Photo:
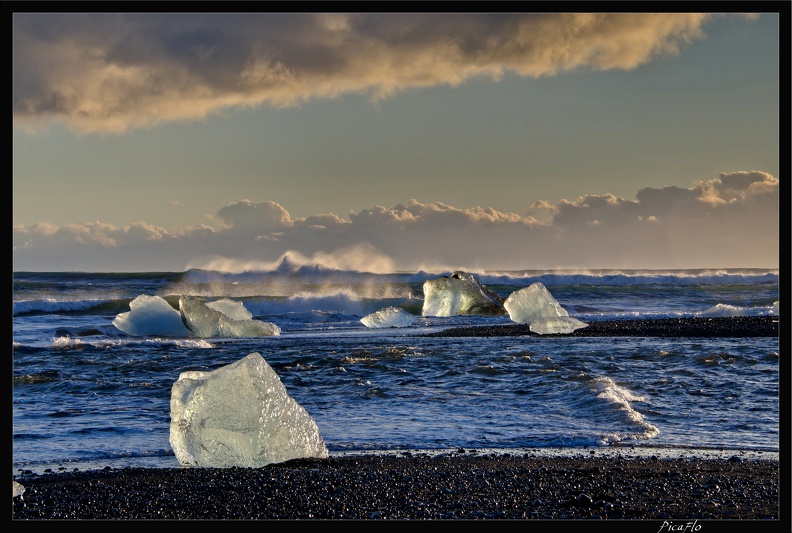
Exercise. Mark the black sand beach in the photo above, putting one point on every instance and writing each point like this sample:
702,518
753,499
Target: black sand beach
458,486
741,326
671,492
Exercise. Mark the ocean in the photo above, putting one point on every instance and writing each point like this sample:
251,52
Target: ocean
88,395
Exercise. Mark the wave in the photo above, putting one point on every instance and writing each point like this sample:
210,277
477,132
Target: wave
302,289
94,306
634,277
322,275
621,401
51,305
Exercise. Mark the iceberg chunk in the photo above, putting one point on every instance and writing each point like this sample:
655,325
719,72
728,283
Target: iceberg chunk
390,317
208,323
151,316
535,305
461,294
239,415
18,489
532,302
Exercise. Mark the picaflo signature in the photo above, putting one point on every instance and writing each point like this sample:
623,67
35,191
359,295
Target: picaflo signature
679,527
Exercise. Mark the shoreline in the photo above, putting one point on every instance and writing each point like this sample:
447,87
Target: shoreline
461,485
631,450
733,326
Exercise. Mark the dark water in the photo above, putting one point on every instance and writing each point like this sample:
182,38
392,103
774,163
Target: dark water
86,393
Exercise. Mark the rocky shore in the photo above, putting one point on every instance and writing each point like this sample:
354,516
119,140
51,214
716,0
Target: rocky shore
415,486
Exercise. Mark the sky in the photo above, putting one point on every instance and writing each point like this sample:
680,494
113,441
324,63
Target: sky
391,142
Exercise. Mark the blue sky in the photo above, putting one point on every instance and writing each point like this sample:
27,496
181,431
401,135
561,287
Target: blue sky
395,141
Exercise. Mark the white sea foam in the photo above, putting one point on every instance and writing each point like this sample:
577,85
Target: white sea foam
623,400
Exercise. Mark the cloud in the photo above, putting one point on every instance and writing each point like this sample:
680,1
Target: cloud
109,72
728,221
263,217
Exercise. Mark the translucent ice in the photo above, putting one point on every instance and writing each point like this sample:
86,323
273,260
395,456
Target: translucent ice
390,317
556,324
231,309
239,415
18,489
207,322
150,316
461,294
532,302
535,305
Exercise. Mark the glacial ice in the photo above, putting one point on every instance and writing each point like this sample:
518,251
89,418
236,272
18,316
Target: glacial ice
151,316
532,302
461,294
239,415
535,305
18,489
390,317
231,309
208,322
555,324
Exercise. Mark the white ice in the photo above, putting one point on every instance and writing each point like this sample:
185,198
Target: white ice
208,323
535,305
239,415
390,317
151,316
461,294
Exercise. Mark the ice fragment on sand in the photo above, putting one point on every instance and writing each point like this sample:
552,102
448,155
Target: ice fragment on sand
239,415
532,302
208,323
556,324
18,489
535,305
390,317
461,294
150,316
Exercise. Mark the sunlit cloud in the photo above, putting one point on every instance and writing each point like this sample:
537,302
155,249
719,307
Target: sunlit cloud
731,220
112,72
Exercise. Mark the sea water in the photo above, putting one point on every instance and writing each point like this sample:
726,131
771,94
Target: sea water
87,395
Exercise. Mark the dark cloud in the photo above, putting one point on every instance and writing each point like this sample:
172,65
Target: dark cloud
111,72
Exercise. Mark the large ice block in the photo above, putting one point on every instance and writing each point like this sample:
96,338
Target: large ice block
460,294
207,322
535,305
151,316
239,415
